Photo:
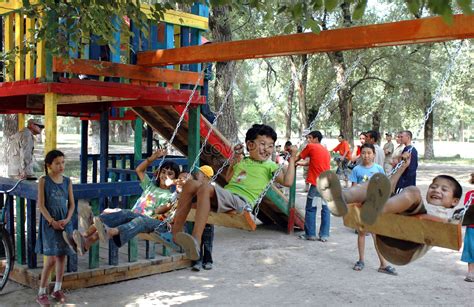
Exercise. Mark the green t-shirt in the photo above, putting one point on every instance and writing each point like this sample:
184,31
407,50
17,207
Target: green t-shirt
152,197
250,178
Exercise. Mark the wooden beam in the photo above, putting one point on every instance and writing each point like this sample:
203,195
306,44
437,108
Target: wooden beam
109,69
50,116
417,31
76,99
422,229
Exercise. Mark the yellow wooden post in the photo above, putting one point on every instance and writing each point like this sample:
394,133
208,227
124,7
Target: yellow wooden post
29,61
177,43
21,121
19,35
50,119
9,45
40,59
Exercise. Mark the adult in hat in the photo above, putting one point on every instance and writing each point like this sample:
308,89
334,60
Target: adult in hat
20,151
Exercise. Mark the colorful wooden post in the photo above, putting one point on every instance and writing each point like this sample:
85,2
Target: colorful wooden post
31,230
84,149
50,116
133,244
20,230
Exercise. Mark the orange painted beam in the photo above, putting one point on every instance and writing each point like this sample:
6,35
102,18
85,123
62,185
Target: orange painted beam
423,30
109,69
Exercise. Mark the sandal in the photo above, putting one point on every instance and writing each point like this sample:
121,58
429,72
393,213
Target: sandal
305,237
469,277
388,270
359,266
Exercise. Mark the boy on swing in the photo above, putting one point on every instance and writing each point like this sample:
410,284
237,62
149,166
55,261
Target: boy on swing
246,177
442,196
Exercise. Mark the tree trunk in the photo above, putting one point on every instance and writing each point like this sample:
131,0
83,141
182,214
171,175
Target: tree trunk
219,24
301,88
428,133
344,93
289,111
10,127
124,131
94,136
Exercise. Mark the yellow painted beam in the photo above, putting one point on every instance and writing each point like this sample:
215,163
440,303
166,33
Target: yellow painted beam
21,121
9,45
180,18
19,36
50,121
29,60
40,57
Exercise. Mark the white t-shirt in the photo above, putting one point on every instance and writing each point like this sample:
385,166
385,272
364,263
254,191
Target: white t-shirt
439,211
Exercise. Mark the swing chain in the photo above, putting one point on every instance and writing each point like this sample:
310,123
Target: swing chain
434,101
214,122
181,118
309,129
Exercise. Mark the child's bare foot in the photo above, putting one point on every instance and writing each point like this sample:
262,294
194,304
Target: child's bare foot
330,189
378,191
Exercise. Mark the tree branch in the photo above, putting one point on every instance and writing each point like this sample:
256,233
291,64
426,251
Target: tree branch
370,78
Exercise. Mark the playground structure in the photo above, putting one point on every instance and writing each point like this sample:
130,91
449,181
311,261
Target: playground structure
50,86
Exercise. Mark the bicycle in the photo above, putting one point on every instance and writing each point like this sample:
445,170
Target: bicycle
7,253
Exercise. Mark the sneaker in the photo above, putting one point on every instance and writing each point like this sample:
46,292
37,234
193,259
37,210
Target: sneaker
331,191
469,277
189,244
69,241
305,237
101,231
59,296
79,241
323,239
378,191
85,215
196,267
207,266
43,300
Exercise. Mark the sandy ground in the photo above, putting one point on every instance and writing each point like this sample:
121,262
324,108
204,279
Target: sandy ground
269,267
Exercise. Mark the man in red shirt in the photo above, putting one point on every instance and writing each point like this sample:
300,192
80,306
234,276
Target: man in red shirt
344,150
319,161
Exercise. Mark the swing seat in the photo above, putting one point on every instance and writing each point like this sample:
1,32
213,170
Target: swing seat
163,238
421,229
230,219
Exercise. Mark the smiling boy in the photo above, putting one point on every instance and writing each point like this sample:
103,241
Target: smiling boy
246,177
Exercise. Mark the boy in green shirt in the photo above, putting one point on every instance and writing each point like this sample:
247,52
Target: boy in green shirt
247,179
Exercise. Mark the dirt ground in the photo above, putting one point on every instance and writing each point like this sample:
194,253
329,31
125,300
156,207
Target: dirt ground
270,267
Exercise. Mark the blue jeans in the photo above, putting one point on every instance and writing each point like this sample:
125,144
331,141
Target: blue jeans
310,217
129,224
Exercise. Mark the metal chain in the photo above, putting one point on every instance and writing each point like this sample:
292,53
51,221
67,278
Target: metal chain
309,129
434,101
181,118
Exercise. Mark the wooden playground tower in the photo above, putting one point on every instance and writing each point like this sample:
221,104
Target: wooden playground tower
49,86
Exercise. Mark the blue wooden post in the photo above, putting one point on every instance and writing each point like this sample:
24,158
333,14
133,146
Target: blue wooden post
84,145
10,226
31,233
149,140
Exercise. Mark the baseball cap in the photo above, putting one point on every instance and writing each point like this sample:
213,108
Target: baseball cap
207,170
35,122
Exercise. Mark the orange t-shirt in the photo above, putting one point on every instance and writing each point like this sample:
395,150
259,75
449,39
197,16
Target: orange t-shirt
319,161
343,147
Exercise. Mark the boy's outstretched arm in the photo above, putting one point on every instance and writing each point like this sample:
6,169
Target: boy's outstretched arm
141,168
238,155
288,177
406,156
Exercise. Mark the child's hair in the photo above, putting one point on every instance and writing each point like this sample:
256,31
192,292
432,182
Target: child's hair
373,135
288,144
50,156
258,129
316,135
367,145
167,165
457,191
341,136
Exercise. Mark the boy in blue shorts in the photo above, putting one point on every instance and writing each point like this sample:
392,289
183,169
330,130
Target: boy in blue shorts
246,177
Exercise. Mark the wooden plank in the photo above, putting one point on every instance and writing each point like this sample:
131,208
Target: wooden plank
9,45
50,115
76,99
19,56
423,30
109,69
29,61
241,221
423,229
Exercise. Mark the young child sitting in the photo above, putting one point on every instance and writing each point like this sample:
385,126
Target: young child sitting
442,196
360,174
247,179
121,225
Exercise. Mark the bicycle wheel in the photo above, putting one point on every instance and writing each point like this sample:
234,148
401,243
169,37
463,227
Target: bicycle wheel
6,257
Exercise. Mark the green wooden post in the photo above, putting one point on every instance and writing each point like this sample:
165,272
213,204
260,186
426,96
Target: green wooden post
133,243
194,138
94,249
20,231
292,196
